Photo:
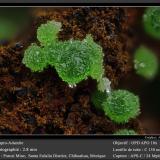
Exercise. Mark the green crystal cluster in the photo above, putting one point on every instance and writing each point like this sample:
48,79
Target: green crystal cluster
73,60
119,105
151,21
145,62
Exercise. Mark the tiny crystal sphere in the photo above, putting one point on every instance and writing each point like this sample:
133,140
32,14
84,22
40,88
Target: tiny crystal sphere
151,20
121,105
145,63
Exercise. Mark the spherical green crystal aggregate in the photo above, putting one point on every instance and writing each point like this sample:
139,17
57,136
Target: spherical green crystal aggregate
74,60
74,64
151,21
121,105
47,33
35,58
145,62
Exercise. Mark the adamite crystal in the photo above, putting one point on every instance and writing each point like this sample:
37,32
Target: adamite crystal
96,55
151,20
145,62
47,33
121,105
98,98
35,58
73,65
74,60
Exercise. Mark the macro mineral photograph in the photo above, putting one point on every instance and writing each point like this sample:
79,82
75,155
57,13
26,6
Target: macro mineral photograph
80,70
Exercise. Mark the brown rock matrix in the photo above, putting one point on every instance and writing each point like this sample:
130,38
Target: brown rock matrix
41,103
